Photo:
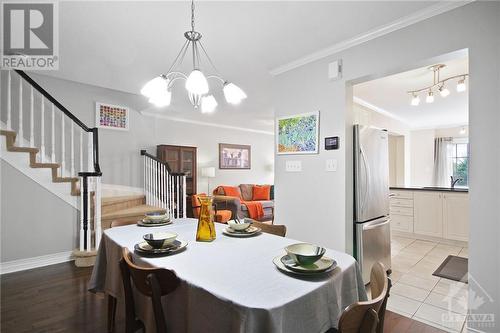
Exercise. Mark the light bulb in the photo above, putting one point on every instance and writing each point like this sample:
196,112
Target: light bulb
197,83
444,91
415,100
155,87
461,85
233,93
208,104
162,99
430,97
462,130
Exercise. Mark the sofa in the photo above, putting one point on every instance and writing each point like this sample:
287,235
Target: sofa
245,193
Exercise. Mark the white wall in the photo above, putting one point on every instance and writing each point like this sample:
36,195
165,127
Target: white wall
317,206
119,150
422,157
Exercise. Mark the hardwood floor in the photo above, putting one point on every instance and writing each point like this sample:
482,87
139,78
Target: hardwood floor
55,299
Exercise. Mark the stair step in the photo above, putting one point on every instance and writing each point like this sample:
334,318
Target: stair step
130,214
23,149
8,133
65,179
116,203
45,165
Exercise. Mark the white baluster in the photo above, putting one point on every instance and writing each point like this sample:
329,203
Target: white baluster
172,195
63,147
184,196
72,150
32,120
20,131
42,129
157,196
148,183
162,173
89,200
144,176
178,197
53,135
82,234
90,163
167,197
97,219
9,101
81,150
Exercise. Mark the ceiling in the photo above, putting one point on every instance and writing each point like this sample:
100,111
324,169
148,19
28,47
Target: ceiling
389,95
122,44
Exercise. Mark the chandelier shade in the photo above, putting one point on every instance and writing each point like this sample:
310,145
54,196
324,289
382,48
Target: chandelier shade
159,89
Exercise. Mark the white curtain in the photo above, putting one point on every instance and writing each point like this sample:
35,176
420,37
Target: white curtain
442,167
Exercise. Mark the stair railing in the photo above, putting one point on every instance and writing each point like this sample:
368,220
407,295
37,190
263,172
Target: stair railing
62,139
164,188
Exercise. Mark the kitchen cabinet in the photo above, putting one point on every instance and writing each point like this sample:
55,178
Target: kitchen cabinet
456,216
401,210
428,213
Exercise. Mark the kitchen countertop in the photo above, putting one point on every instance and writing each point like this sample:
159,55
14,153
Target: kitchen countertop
431,188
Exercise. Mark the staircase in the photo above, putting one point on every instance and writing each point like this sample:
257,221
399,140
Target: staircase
126,209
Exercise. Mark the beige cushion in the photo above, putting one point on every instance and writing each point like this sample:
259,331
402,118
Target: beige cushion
246,191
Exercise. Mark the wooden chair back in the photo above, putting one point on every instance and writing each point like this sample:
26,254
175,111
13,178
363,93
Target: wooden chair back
363,317
275,229
151,282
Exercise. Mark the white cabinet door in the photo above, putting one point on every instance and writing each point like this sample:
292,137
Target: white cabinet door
428,213
456,216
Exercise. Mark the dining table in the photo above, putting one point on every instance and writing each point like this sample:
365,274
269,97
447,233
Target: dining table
231,284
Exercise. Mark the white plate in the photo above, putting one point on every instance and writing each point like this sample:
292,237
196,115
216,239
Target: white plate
177,245
322,265
250,231
148,221
279,264
156,224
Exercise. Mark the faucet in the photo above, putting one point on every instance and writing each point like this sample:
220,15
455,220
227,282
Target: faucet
453,181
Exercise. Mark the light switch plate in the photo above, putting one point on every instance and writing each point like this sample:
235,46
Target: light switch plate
293,166
331,165
335,70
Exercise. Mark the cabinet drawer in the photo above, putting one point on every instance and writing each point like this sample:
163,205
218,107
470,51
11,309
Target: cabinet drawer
401,194
402,222
400,202
402,210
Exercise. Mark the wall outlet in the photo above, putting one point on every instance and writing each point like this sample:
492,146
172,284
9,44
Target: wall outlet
331,165
293,166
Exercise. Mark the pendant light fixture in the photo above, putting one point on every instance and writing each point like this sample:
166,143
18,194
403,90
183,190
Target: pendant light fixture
159,89
439,84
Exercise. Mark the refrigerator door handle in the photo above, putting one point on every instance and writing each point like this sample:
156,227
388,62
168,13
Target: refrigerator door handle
376,224
367,178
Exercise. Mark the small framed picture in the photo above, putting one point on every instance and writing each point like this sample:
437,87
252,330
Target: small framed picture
112,116
234,156
298,134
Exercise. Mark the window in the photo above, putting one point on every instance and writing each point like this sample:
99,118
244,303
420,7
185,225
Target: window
458,158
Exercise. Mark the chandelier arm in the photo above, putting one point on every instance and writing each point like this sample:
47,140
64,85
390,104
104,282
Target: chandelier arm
171,83
216,77
437,83
208,57
183,52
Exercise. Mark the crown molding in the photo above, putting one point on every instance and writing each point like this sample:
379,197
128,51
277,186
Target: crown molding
377,109
426,13
203,123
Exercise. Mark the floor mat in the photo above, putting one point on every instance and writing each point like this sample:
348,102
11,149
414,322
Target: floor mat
453,268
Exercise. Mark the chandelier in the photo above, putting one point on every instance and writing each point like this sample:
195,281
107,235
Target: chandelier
438,84
159,89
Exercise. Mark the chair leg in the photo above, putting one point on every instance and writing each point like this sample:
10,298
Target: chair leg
111,313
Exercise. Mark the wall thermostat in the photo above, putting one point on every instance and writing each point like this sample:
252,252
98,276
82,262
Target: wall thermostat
332,143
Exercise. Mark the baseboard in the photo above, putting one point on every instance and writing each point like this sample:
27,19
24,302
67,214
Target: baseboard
35,262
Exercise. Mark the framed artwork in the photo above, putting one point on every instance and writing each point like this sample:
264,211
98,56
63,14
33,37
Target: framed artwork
112,116
298,134
234,156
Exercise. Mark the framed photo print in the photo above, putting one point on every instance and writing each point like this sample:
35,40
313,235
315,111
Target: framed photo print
298,134
234,156
112,116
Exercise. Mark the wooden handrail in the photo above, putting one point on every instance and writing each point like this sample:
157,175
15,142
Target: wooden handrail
154,158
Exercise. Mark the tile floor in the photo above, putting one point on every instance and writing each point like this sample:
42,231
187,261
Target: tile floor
419,295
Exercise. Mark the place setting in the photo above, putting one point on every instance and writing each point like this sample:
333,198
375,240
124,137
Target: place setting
155,219
238,228
305,259
160,243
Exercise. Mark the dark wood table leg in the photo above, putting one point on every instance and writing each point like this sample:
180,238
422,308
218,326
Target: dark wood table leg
111,313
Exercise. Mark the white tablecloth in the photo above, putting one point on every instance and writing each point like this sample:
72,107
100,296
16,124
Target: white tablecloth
231,284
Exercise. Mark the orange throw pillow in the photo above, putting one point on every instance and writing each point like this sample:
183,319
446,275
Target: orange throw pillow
231,191
261,192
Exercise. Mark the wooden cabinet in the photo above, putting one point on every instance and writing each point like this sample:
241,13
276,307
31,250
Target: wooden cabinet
456,216
428,213
401,210
181,159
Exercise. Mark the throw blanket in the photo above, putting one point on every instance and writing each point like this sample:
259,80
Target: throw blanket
255,210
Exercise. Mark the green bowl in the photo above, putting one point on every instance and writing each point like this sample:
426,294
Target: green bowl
305,253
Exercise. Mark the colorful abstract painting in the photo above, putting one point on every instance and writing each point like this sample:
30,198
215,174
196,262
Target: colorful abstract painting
298,134
112,116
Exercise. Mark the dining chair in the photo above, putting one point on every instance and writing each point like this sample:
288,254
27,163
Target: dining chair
365,317
151,282
220,215
275,229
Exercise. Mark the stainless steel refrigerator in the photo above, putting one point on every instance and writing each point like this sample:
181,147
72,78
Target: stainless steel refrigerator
372,233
